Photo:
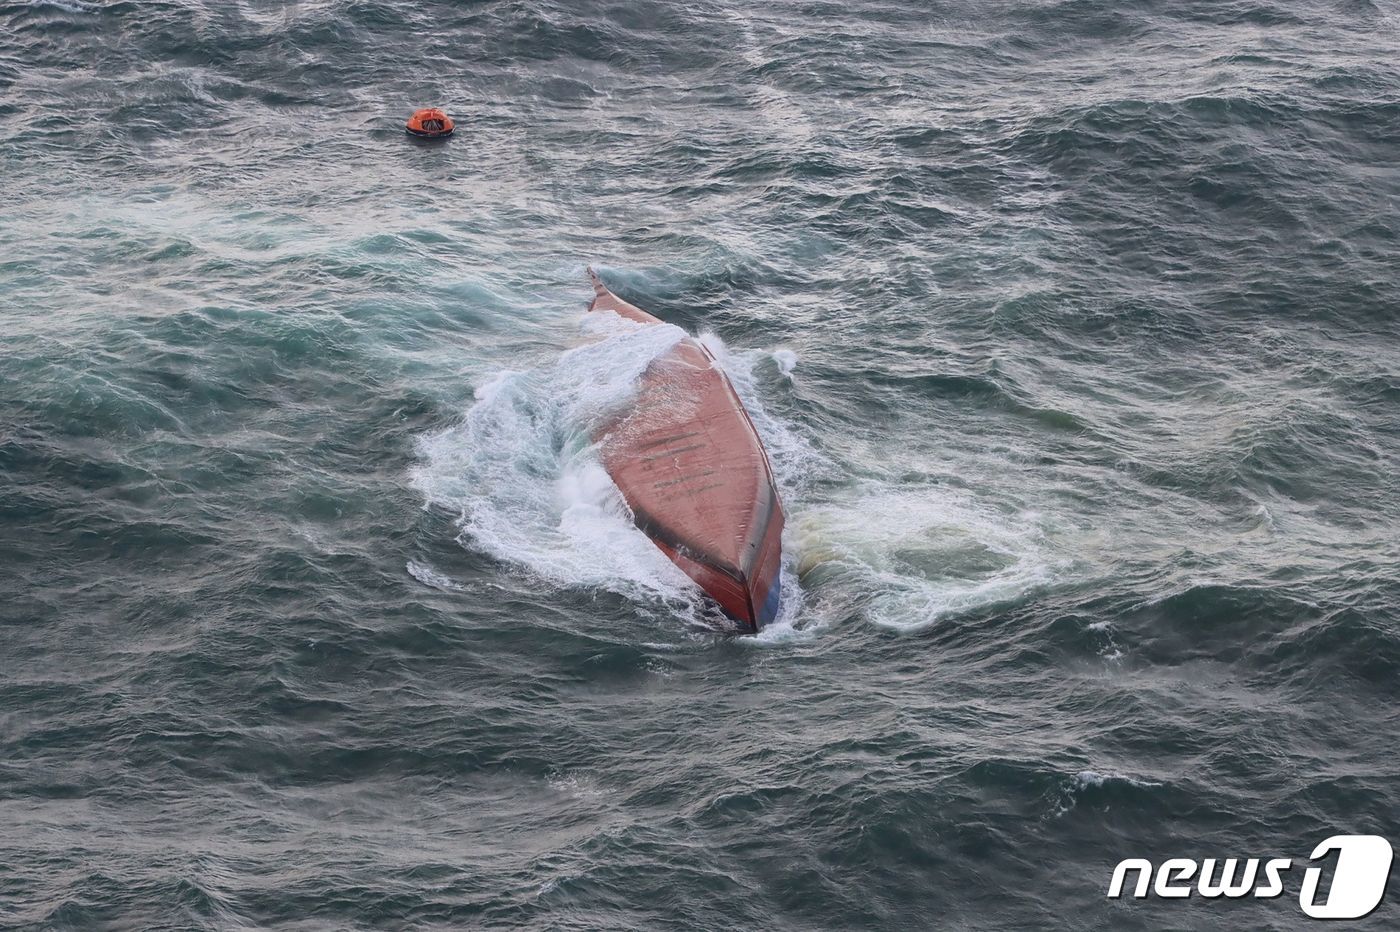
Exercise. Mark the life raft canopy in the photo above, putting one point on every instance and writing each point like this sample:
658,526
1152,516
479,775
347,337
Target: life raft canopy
430,123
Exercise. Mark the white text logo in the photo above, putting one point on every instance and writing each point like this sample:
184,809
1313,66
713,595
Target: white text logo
1358,880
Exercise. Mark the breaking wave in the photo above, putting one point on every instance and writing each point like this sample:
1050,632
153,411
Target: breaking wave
522,475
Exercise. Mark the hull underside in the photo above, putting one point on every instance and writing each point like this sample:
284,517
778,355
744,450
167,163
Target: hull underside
693,471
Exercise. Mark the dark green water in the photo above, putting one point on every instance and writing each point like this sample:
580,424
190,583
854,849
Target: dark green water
1072,330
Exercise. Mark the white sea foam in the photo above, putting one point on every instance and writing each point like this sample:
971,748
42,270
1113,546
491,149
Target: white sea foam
1068,794
786,360
522,474
428,576
68,6
905,557
1092,778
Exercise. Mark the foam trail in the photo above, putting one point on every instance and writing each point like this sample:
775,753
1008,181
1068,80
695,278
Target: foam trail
906,557
521,472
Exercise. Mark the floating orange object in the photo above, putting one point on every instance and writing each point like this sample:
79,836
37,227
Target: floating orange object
430,123
695,475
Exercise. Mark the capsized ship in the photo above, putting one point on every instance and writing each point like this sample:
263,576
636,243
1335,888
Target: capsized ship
694,472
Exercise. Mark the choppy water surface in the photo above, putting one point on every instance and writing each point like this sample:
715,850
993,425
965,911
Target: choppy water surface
1070,326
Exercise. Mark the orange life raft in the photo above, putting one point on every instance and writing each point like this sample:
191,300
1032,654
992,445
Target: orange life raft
430,123
694,472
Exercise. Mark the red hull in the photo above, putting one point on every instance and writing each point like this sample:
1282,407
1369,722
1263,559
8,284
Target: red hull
693,471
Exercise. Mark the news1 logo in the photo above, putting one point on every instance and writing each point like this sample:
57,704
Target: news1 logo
1358,881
